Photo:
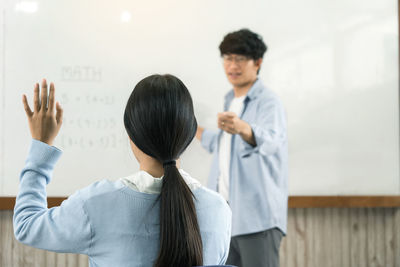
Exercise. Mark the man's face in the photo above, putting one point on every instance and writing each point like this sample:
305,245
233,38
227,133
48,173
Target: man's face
240,70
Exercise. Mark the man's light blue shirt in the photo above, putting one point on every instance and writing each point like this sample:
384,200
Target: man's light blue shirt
258,194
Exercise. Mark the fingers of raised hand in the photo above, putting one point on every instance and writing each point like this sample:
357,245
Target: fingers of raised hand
43,106
36,101
28,110
59,114
51,98
46,101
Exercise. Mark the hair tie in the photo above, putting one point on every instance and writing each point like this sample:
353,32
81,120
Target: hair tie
169,163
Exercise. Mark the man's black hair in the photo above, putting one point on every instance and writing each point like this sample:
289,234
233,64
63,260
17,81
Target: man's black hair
243,42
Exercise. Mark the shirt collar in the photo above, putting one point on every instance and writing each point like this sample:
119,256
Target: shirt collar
254,91
143,182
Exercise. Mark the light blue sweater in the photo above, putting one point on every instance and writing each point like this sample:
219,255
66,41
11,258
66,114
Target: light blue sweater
108,221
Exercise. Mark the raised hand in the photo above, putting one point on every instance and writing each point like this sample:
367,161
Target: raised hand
46,119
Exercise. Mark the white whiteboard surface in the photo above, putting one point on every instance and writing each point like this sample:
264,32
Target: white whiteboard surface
334,64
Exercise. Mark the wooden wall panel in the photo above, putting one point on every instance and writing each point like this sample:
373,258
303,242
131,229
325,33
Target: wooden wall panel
316,237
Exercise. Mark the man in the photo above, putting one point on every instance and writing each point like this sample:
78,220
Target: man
249,167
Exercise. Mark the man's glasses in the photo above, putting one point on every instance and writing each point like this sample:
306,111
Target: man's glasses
229,59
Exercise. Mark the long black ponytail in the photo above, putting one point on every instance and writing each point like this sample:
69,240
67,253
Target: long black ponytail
159,119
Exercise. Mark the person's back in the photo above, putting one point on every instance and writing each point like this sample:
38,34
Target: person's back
125,225
139,220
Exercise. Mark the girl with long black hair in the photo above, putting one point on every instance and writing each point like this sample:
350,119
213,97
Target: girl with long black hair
158,217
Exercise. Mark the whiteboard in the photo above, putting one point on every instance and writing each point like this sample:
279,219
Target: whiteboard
334,64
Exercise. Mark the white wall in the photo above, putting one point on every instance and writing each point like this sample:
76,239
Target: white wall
333,63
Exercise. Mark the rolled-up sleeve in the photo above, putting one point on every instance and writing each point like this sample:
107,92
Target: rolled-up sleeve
209,140
269,129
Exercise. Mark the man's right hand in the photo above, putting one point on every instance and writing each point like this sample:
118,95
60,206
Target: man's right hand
199,132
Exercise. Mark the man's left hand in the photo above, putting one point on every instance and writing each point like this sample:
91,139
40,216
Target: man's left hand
231,123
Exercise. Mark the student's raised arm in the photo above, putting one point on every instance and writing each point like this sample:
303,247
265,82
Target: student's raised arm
62,229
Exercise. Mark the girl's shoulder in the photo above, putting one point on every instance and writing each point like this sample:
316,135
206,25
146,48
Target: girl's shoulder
99,188
209,197
204,197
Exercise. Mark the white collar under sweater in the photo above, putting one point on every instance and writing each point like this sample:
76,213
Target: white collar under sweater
143,182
